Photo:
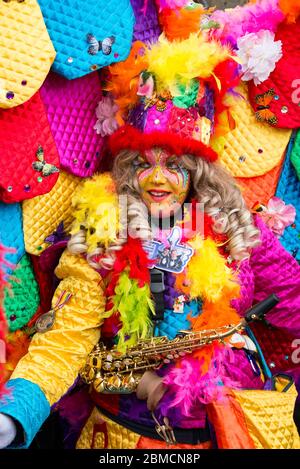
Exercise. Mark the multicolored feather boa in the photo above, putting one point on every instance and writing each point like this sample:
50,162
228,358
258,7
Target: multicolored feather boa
208,277
200,377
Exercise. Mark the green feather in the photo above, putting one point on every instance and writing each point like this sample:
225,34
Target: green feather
134,305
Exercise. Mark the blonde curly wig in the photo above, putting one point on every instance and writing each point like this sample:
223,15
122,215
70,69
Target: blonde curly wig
211,185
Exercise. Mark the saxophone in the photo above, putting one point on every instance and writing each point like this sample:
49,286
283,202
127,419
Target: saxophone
110,371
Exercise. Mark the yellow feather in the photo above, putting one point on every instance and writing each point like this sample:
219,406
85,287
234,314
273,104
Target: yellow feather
96,208
208,273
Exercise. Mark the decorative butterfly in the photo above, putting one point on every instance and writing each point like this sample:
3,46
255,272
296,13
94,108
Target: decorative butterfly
159,101
57,235
41,165
97,46
263,113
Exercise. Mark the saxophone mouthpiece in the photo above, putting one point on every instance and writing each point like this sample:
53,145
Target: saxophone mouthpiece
258,311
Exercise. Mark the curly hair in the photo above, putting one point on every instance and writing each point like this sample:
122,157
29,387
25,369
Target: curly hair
211,185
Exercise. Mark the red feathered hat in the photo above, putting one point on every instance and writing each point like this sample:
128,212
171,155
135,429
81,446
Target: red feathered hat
168,109
133,139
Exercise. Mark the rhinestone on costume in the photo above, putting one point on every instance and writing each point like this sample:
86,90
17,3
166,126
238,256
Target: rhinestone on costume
276,97
116,55
27,188
284,109
260,150
24,82
242,159
9,189
157,121
39,179
272,365
93,67
10,95
70,60
87,164
286,357
13,317
75,161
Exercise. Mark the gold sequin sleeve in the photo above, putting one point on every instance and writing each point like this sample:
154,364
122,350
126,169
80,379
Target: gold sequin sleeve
55,357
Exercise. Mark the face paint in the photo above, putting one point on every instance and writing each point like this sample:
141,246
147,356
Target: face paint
163,182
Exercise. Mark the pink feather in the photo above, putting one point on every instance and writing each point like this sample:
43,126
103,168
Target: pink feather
191,388
172,4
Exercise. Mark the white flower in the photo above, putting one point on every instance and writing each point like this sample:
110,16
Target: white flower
258,53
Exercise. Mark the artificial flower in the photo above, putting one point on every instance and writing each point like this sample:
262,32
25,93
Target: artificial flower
277,215
258,53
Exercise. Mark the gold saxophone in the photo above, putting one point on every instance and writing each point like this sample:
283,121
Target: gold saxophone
110,371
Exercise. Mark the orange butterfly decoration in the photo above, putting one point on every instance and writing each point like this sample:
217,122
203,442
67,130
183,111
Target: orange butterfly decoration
263,113
159,101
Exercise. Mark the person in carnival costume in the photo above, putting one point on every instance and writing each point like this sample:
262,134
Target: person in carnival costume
169,101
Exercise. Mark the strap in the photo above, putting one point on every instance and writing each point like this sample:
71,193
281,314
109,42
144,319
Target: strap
157,287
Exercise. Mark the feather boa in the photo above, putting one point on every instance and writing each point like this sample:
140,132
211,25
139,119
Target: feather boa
132,303
250,18
207,274
96,209
189,389
129,295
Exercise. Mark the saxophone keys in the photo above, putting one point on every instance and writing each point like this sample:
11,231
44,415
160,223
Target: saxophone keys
91,374
114,383
99,385
108,362
95,361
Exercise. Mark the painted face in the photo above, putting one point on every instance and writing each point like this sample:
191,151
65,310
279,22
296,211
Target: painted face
164,183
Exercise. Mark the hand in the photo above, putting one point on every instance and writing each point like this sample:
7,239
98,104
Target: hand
151,387
8,430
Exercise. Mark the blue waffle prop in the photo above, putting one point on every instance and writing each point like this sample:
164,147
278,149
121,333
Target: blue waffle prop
88,34
11,233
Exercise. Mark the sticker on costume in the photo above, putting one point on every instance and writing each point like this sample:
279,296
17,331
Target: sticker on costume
173,257
179,303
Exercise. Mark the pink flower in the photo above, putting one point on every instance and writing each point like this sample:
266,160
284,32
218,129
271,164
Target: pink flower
106,113
277,215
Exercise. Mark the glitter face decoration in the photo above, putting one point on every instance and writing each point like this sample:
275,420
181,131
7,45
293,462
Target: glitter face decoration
164,183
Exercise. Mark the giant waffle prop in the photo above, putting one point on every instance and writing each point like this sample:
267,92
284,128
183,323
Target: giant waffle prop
26,51
88,34
71,110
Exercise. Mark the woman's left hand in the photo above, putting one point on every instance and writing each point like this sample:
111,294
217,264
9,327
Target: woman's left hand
151,387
